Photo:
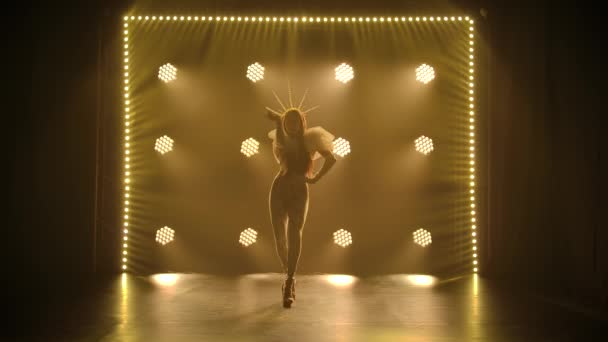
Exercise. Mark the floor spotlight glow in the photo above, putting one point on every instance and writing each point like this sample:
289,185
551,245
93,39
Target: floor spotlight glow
165,235
250,147
344,73
341,280
165,279
424,145
255,72
343,238
167,73
425,73
341,147
422,237
420,280
248,237
164,144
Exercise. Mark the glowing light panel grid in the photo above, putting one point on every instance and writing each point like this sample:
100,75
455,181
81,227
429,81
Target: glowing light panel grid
170,74
248,237
422,237
250,147
341,147
343,238
424,145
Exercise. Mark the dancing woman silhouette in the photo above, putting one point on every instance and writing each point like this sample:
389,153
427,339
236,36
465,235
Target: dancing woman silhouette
295,147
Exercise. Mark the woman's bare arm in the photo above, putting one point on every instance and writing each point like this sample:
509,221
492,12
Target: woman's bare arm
329,162
277,120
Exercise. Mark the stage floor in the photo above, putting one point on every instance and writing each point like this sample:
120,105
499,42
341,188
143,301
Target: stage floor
195,307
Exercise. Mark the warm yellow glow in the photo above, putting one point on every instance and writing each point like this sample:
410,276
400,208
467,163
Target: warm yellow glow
164,235
341,147
344,73
420,280
248,237
166,279
250,147
422,237
425,73
341,280
163,144
167,73
343,238
424,145
255,72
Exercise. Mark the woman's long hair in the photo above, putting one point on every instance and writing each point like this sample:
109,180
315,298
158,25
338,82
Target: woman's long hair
301,159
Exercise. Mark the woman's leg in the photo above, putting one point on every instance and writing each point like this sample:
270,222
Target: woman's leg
278,219
297,210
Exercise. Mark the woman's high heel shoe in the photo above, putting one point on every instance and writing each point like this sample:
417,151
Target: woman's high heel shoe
288,292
